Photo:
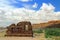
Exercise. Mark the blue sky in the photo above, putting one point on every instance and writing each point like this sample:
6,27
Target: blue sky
35,11
19,4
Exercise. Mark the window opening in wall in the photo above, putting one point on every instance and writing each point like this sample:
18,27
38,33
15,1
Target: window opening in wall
26,27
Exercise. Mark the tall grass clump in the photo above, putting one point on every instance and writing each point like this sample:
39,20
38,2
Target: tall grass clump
52,32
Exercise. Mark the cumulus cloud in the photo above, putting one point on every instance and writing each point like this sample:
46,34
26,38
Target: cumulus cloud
47,12
4,5
30,6
35,5
47,7
9,15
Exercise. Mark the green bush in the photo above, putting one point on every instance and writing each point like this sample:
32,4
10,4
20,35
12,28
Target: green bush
38,31
52,32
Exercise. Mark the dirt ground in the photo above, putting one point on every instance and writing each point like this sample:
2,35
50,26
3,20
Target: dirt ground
21,38
40,37
35,37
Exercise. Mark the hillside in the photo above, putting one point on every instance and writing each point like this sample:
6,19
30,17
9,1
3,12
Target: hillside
44,25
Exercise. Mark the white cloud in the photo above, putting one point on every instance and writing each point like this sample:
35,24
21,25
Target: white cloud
47,12
47,8
35,5
29,6
9,14
4,5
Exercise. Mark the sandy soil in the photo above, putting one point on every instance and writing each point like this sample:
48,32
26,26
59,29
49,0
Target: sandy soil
40,37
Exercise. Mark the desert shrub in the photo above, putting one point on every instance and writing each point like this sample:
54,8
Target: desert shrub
52,32
38,31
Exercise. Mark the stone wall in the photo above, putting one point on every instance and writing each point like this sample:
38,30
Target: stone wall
20,29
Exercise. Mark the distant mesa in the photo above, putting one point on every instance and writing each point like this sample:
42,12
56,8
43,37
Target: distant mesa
49,24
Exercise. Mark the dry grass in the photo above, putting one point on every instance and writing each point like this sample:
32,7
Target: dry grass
2,33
